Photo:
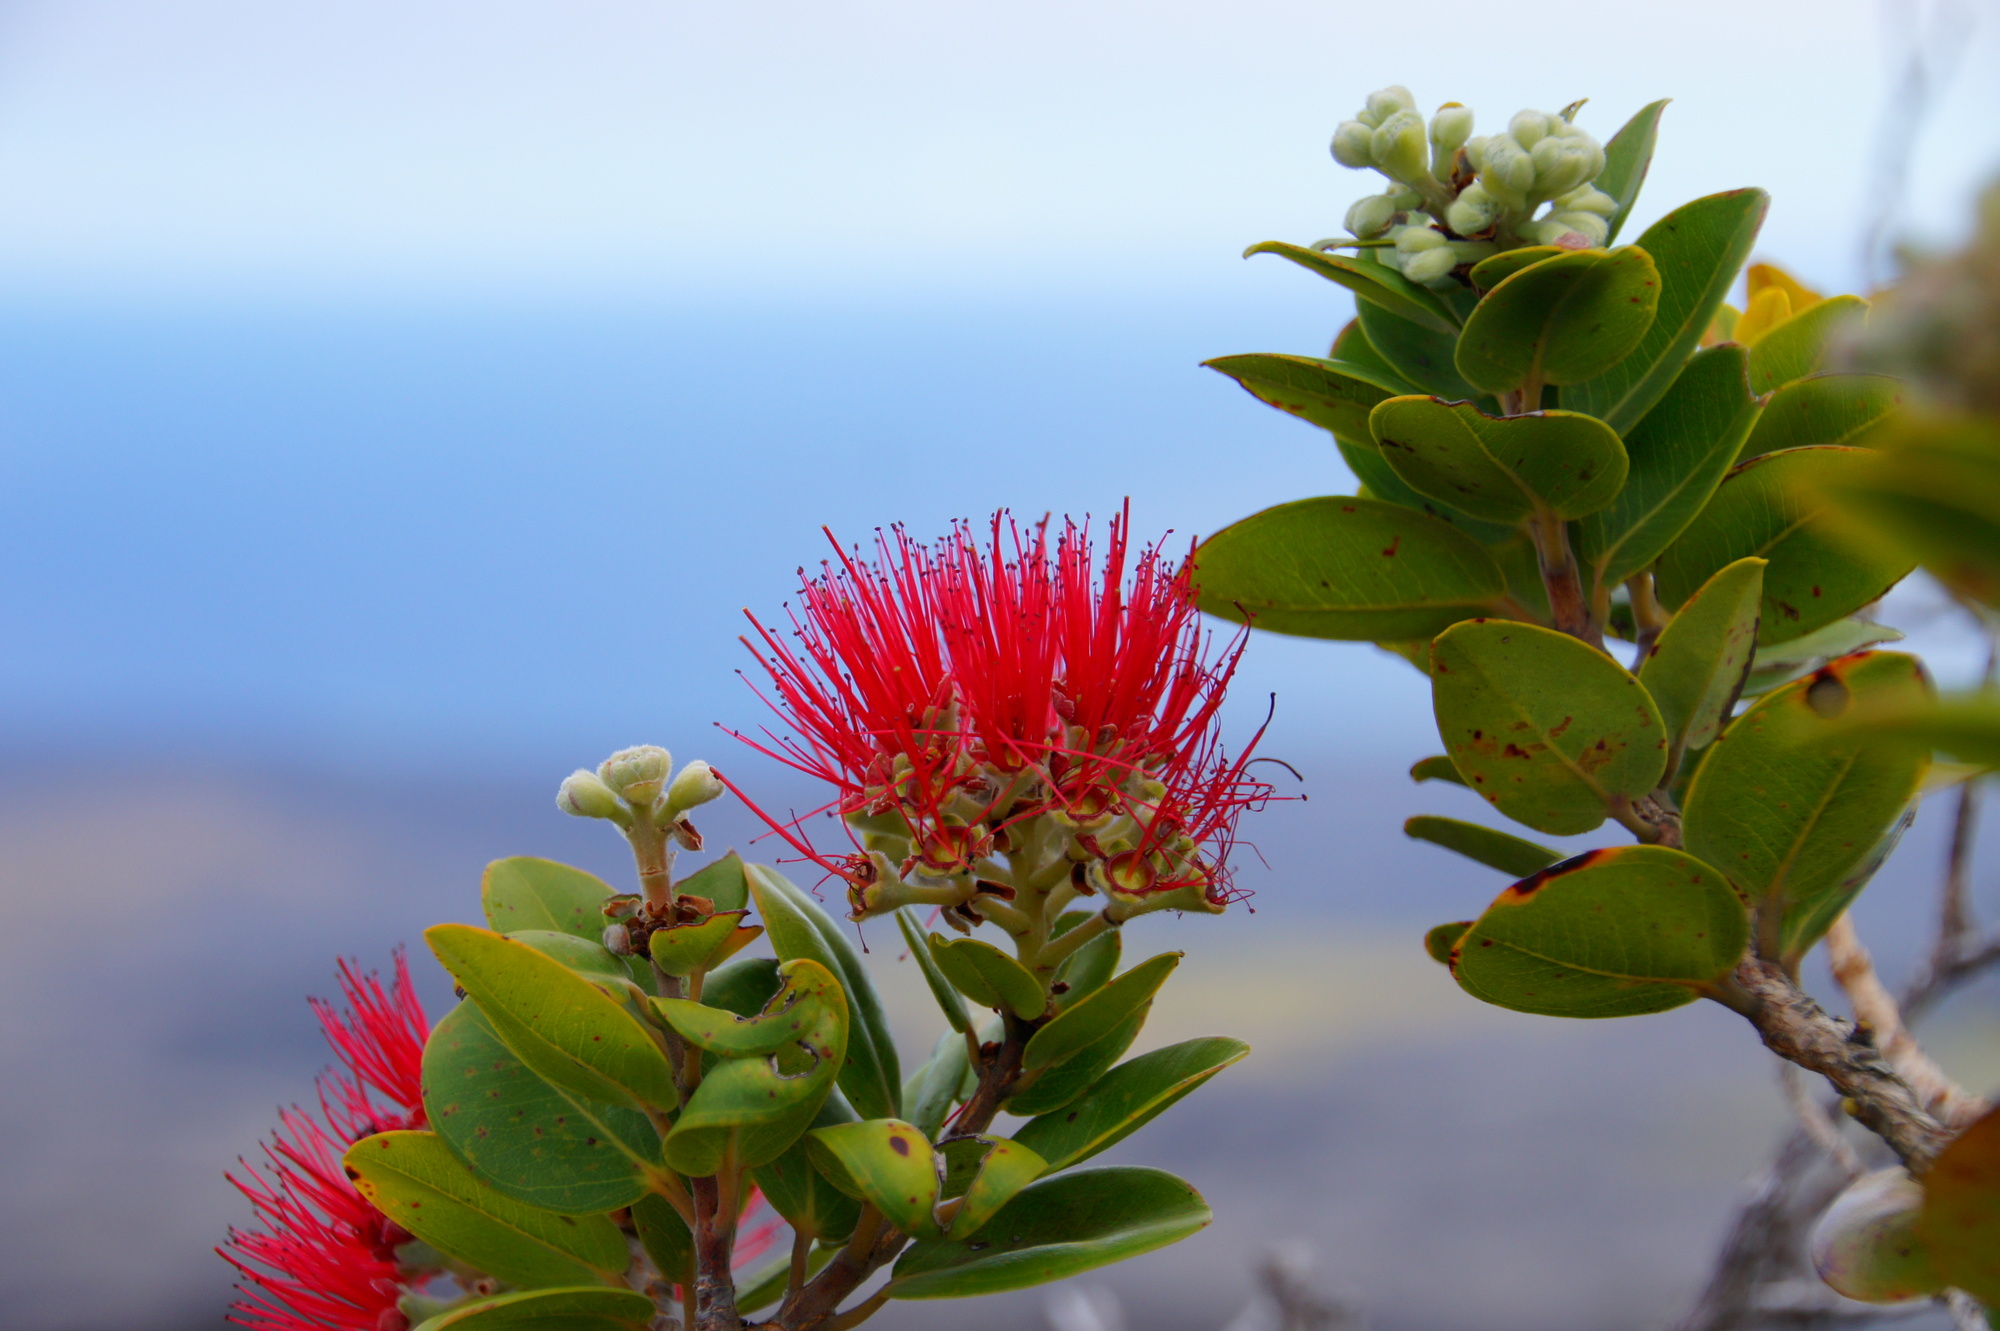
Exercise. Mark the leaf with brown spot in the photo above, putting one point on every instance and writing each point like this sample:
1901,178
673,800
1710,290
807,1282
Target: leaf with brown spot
1546,728
1794,808
1611,933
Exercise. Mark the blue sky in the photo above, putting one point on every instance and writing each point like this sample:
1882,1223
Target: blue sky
396,382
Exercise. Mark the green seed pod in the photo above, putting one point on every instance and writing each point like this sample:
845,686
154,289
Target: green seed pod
1528,127
1866,1245
1590,226
1351,144
1400,149
1472,211
1432,265
1509,173
1386,102
1450,128
1371,215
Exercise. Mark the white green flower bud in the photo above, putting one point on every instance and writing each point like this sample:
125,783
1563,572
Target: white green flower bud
1587,199
1417,237
1509,173
637,773
1387,102
1450,128
1475,150
1371,215
1404,198
582,795
1472,211
695,785
1590,226
1529,127
1432,265
1563,164
1352,144
1400,148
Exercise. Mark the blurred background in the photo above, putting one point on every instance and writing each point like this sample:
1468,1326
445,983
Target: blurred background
400,402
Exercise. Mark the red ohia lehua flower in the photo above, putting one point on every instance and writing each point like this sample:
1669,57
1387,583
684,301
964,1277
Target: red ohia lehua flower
320,1257
1003,694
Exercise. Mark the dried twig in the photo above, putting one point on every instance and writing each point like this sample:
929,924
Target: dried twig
1876,1009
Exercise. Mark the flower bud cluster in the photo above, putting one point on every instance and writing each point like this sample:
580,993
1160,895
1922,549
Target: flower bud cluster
1455,198
632,786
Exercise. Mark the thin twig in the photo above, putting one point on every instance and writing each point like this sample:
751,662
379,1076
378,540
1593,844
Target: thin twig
1875,1008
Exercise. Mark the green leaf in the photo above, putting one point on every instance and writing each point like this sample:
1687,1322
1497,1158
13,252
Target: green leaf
1372,283
1793,811
1494,269
1786,661
1822,409
1561,321
1127,1098
808,990
1771,507
683,949
1351,346
1379,481
1698,666
885,1162
763,1103
765,1287
807,1200
665,1237
1438,768
1091,966
1056,1228
1934,491
1966,727
1440,939
872,1081
570,1032
524,1137
948,999
1063,1083
415,1180
1678,454
1698,249
592,1309
999,1172
1796,347
933,1088
1326,393
1097,1017
1500,467
1419,353
592,960
1336,567
988,976
1626,157
1960,1219
744,986
1610,933
724,883
1494,849
1546,728
526,893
